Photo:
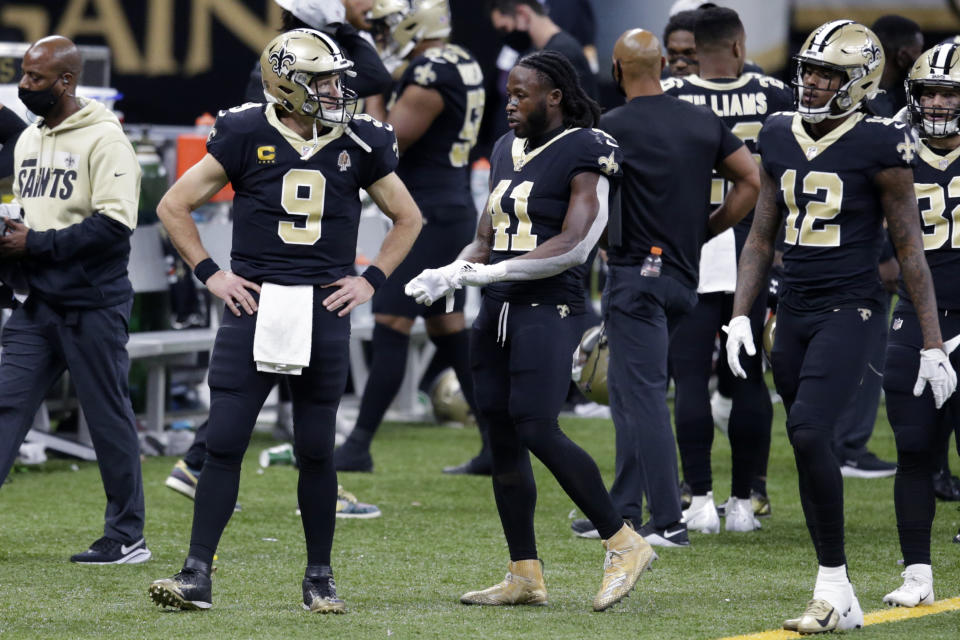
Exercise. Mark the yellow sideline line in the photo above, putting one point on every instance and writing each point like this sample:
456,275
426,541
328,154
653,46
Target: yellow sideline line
877,617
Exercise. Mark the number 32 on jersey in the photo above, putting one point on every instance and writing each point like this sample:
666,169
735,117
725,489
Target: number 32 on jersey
522,239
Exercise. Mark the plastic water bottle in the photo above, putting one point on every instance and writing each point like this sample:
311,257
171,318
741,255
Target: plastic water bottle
652,263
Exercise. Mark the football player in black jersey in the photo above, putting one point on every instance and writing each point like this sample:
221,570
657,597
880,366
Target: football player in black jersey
435,112
742,101
297,165
933,99
832,174
551,182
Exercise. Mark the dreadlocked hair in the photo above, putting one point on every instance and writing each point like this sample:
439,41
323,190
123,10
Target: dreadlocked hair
579,109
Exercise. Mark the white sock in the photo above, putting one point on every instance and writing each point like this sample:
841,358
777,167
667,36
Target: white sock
922,570
834,587
698,502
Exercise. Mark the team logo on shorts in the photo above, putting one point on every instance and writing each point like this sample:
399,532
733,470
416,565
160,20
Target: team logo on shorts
343,161
865,314
563,310
897,323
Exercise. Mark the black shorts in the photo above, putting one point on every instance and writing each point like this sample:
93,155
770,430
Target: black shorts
819,359
917,424
521,356
436,246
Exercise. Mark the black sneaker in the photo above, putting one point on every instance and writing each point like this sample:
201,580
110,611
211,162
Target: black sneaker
673,536
189,590
320,592
473,467
945,486
956,538
109,551
867,466
583,528
350,457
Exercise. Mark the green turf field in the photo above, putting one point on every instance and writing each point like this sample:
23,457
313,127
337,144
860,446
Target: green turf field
439,536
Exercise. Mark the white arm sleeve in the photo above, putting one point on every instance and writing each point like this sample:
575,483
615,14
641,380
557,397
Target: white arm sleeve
539,268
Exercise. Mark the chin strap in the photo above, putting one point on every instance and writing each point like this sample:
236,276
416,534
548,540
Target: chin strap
353,136
316,140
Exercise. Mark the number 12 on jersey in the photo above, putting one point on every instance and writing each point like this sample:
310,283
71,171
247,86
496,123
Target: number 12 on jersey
503,240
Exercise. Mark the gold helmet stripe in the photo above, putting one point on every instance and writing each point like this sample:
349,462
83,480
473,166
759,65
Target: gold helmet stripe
822,39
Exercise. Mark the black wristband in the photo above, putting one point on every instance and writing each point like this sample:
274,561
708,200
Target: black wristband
374,276
205,269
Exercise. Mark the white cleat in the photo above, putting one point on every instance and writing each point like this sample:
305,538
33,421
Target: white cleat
917,588
852,618
739,515
702,515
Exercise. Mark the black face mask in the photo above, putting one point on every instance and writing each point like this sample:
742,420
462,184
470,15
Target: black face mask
40,102
518,40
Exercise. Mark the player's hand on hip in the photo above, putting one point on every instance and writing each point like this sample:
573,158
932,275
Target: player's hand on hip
351,293
234,291
936,370
739,335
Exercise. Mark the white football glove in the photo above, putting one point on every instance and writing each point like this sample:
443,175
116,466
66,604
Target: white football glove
433,284
480,275
936,370
739,335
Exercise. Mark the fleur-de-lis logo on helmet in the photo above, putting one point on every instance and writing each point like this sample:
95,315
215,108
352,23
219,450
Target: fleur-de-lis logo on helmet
281,59
871,52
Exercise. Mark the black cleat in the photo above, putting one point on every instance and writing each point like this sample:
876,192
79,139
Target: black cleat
673,536
320,591
945,486
189,590
479,466
583,528
351,457
109,551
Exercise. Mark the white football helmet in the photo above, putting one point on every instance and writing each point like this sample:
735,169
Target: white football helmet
849,48
293,61
939,67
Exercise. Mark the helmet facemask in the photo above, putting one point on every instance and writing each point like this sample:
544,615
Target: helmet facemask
937,68
933,122
840,103
331,111
849,50
293,64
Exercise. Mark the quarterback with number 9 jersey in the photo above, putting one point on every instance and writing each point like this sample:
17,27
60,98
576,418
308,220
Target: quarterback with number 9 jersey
283,230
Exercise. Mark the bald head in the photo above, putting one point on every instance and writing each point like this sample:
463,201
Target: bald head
638,53
56,54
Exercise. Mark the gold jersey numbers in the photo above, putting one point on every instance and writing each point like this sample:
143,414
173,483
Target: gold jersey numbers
522,239
302,195
809,227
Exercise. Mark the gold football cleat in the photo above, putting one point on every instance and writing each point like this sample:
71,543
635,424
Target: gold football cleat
628,555
522,585
819,617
